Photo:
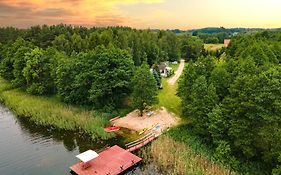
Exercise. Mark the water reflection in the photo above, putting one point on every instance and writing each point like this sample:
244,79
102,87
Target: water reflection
70,139
27,148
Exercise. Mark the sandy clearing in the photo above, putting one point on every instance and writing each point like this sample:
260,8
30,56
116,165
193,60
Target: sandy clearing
161,116
178,73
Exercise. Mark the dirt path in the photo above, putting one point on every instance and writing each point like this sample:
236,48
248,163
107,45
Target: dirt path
173,80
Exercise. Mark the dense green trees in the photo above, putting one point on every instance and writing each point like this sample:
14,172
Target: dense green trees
144,45
19,62
37,72
191,47
234,102
83,66
101,77
112,74
144,88
214,38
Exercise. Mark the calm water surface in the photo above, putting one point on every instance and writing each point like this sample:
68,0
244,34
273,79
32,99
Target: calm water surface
29,149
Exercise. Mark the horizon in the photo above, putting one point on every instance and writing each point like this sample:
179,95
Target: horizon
207,27
142,14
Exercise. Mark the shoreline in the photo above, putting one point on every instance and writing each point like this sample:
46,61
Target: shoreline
48,111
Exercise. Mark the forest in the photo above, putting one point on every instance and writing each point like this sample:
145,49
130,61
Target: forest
93,67
231,99
233,102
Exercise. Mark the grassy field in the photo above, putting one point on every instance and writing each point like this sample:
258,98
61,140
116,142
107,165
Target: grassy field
174,66
167,96
213,47
48,111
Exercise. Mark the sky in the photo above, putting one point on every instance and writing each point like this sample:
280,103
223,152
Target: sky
142,14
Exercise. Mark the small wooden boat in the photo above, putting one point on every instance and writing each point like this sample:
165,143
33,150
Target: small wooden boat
112,128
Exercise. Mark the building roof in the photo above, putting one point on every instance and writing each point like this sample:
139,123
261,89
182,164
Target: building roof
226,42
87,155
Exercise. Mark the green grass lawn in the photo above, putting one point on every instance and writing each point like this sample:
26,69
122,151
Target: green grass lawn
213,47
167,96
174,66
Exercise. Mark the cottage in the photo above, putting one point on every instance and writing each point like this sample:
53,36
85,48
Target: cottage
165,70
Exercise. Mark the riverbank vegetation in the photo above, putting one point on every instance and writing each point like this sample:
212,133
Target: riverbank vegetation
233,103
49,111
180,159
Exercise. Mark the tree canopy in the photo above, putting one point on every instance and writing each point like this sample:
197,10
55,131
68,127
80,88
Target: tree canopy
144,88
234,102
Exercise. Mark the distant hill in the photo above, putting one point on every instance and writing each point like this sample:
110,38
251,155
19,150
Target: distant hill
212,30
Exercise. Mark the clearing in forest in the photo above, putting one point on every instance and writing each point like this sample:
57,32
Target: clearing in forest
168,101
135,122
213,47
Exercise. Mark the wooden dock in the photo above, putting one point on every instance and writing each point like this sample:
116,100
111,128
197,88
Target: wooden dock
141,142
114,160
111,161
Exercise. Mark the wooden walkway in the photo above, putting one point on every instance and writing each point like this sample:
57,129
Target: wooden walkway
141,142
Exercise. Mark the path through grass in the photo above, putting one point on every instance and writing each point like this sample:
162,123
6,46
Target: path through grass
167,96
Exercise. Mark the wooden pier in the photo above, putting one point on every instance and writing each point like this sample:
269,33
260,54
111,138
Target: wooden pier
111,161
141,142
114,160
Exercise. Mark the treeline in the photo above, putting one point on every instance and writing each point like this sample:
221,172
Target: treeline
213,30
86,66
214,38
216,35
143,45
234,102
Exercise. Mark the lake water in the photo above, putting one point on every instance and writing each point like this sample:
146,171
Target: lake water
29,149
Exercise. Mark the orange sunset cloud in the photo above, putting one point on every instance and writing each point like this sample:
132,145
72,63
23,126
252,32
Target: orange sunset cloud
183,14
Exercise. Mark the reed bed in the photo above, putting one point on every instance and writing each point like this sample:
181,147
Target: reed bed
176,158
48,111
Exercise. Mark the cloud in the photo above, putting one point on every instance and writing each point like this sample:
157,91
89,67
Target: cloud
52,12
6,8
21,13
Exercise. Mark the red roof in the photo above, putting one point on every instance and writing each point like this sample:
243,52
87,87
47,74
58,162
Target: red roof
226,42
112,161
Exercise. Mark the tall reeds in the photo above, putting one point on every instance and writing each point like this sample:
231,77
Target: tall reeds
176,158
49,111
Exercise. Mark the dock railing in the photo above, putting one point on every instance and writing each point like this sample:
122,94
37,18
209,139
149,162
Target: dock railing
140,142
